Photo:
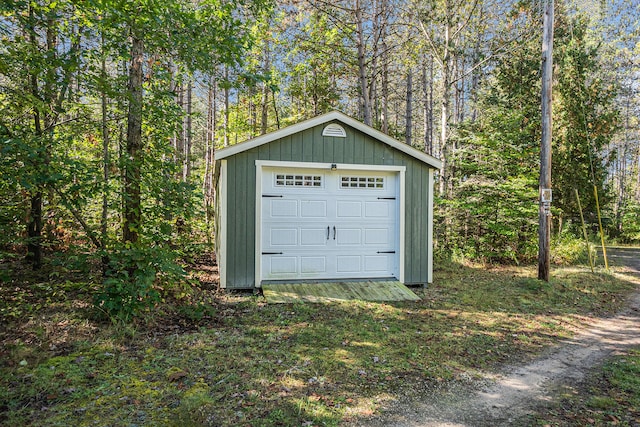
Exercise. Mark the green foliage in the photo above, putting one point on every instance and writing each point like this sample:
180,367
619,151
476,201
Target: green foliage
196,407
630,224
493,213
316,62
585,119
136,280
567,249
495,220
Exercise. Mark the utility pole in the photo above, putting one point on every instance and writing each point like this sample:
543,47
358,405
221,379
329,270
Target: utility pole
544,231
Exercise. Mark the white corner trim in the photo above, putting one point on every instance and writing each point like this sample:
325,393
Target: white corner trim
401,222
222,227
258,215
337,116
430,228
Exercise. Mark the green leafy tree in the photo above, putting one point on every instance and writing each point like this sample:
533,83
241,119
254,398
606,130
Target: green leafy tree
39,60
494,208
585,120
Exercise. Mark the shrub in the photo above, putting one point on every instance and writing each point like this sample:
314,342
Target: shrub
136,279
567,249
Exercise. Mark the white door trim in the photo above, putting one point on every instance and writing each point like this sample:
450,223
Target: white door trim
260,164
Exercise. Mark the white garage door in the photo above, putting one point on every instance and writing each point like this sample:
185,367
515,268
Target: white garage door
322,224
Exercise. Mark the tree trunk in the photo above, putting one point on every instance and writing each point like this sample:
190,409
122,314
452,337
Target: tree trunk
252,112
444,135
178,143
226,106
264,117
132,200
105,154
275,109
427,95
409,110
362,67
460,90
186,156
210,149
445,173
385,90
34,222
638,175
34,231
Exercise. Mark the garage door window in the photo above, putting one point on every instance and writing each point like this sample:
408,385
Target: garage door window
373,182
283,180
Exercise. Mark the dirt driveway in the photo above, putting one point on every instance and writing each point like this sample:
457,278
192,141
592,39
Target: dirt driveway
506,399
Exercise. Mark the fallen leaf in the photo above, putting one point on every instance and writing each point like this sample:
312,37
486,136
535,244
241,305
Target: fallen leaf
175,376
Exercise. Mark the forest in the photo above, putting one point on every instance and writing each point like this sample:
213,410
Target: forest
111,112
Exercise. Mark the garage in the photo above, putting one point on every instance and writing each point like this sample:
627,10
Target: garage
326,199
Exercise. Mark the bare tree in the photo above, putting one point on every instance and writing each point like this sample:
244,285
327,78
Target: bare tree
409,108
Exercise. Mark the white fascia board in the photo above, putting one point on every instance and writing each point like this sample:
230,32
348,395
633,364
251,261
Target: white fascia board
334,115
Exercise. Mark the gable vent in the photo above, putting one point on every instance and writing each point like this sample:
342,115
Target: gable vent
334,130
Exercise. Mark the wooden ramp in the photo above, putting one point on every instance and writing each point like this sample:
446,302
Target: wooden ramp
337,291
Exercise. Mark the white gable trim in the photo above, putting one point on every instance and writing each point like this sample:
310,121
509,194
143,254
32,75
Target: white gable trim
334,115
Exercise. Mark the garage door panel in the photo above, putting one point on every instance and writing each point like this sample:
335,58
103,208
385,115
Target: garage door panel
283,237
283,208
348,236
313,208
282,265
348,209
377,263
378,209
348,264
379,236
313,265
313,237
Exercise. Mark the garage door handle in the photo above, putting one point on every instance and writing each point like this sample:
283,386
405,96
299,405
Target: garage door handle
327,232
271,253
386,198
386,252
334,233
272,195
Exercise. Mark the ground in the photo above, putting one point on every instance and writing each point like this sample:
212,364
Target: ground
519,393
226,359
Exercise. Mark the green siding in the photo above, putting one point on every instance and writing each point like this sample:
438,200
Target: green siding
310,146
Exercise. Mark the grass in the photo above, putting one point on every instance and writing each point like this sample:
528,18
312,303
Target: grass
231,359
609,397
